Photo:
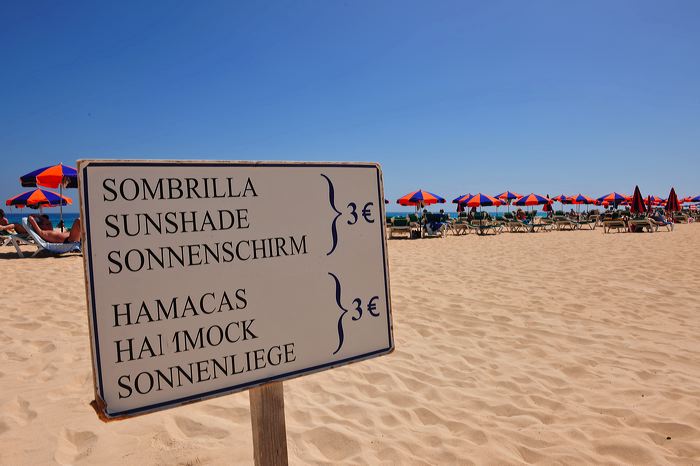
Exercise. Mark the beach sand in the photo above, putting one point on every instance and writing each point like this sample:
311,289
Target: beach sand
550,348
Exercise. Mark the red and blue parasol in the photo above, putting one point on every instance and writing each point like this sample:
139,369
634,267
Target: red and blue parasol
420,198
613,198
38,198
56,176
51,177
532,199
482,200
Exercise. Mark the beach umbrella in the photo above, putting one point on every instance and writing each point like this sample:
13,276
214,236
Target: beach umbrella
655,200
419,199
694,199
561,199
51,177
531,199
38,198
672,204
650,205
55,176
461,199
637,206
613,198
581,199
481,200
508,197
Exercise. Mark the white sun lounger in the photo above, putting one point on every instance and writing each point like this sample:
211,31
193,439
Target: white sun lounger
16,240
42,244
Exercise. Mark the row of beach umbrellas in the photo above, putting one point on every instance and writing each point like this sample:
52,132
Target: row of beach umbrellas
56,176
420,198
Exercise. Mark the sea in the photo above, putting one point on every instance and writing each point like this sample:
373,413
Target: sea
68,218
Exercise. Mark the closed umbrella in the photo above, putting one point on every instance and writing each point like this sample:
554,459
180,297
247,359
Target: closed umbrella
548,206
672,204
637,206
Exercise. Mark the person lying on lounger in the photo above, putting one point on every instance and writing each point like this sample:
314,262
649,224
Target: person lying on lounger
42,220
52,236
3,219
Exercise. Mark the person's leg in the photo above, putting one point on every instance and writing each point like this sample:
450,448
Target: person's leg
74,234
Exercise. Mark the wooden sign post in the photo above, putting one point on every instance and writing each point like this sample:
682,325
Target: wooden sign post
267,419
208,278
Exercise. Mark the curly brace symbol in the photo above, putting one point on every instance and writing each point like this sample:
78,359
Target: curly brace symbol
341,335
331,201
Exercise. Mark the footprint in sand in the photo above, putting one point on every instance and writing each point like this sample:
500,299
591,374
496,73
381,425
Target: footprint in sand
20,411
12,356
193,429
3,427
232,414
44,346
74,445
332,444
47,372
27,325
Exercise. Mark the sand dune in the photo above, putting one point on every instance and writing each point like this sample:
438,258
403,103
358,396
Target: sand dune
549,348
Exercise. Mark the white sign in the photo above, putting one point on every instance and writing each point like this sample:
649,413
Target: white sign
206,278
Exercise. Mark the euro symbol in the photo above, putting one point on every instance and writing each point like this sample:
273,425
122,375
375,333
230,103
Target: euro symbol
371,307
367,213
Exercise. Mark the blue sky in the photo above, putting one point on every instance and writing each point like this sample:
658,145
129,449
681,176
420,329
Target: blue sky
452,97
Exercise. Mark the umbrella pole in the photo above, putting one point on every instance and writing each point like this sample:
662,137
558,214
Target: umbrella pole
60,205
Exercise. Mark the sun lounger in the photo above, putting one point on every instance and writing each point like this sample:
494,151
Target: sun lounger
659,224
589,223
460,226
434,219
414,221
41,244
515,226
617,224
399,226
482,227
642,224
680,217
16,240
562,222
